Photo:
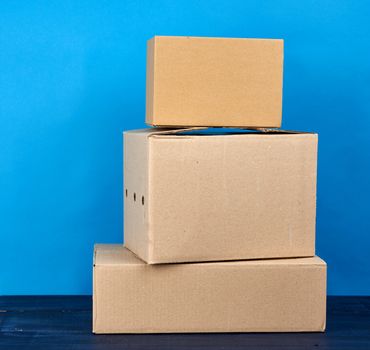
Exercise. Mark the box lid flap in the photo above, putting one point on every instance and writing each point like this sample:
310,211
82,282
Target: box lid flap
219,131
162,131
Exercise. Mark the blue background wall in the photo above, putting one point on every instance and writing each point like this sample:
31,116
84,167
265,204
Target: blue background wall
72,77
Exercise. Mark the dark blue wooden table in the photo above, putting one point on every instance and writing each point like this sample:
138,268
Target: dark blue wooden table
64,322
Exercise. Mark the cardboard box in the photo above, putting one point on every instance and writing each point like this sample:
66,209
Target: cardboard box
194,81
282,295
201,197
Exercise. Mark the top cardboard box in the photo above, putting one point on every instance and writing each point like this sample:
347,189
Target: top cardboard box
193,81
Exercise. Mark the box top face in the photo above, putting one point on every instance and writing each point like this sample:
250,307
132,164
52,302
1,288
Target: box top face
177,37
117,254
214,82
214,132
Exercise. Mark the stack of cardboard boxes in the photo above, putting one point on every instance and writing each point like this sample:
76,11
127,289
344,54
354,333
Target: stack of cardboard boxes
219,224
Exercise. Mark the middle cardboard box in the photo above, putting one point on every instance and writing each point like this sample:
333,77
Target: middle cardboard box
203,195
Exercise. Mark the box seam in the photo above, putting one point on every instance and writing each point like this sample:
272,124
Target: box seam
95,299
148,219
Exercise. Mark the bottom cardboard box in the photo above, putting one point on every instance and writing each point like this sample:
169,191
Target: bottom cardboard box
276,295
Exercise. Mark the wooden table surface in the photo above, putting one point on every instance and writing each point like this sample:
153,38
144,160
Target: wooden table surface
64,322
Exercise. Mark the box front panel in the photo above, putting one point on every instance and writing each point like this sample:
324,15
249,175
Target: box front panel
215,82
233,197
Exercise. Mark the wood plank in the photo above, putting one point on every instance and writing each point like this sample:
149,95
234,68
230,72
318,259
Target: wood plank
64,322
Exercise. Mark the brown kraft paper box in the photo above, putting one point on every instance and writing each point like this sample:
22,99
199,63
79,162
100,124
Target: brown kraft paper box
210,197
194,81
276,295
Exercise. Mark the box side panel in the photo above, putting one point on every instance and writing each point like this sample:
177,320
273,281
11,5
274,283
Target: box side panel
310,189
210,298
135,193
94,306
233,197
149,108
218,82
324,303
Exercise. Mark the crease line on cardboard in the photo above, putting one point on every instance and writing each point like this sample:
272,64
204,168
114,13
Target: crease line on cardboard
150,248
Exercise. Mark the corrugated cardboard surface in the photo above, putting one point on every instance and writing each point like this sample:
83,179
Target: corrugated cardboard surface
194,81
283,295
219,197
